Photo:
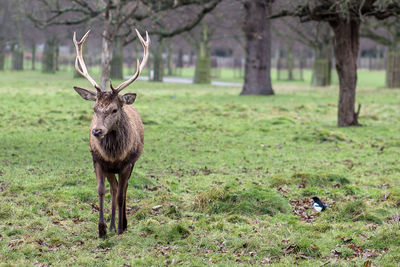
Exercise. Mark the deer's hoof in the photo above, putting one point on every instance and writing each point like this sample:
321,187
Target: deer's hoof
102,230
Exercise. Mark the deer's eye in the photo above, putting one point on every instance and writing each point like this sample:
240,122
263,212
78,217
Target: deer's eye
114,111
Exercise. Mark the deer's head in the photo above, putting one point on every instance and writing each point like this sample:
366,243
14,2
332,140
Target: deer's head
108,104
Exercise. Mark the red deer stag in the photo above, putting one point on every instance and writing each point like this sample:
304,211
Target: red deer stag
116,136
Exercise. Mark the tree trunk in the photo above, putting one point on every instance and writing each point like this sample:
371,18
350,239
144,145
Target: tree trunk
203,59
57,55
17,58
158,62
322,67
257,30
278,64
191,58
301,65
179,63
18,52
106,57
170,61
393,68
346,48
117,62
33,55
290,60
2,54
49,55
3,35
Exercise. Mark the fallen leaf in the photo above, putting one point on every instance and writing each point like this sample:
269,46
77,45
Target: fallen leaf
367,263
155,208
345,239
289,249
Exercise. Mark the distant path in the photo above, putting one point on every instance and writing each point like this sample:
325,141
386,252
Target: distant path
189,81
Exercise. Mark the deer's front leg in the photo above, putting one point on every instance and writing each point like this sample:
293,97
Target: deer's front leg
101,190
113,191
123,178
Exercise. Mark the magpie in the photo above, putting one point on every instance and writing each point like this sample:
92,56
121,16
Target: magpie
319,205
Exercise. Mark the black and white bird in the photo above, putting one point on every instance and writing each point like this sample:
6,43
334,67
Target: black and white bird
319,205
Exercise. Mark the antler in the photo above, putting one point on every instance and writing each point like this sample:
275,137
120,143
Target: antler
80,65
139,68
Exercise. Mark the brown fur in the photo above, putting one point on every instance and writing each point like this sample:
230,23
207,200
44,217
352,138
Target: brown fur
116,136
116,150
124,143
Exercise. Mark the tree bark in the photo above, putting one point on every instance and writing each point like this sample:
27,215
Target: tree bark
158,61
179,62
2,53
170,61
18,51
203,59
106,57
322,67
290,60
346,48
302,64
117,62
191,58
17,58
49,55
278,63
257,30
393,68
57,55
33,55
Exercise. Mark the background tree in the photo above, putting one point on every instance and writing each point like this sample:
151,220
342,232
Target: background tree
387,33
49,57
345,18
257,32
119,18
318,37
117,61
17,46
158,60
4,30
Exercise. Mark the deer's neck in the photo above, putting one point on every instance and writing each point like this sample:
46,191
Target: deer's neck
116,142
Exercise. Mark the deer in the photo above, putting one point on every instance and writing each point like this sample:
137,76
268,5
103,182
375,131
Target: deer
116,136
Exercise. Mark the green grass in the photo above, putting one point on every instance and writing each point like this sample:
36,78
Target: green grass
366,79
229,171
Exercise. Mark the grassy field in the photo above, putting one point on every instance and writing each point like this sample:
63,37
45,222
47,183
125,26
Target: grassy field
366,78
234,176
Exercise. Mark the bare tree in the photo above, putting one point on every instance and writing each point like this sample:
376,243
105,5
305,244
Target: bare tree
118,18
4,17
387,33
318,37
345,18
257,31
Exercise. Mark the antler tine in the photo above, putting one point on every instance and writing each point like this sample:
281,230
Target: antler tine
140,66
80,65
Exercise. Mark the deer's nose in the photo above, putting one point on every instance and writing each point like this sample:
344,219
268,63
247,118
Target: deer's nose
96,132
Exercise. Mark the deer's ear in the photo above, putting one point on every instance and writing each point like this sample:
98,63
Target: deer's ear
86,94
129,98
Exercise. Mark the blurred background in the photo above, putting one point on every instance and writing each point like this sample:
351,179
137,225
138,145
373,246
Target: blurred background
199,41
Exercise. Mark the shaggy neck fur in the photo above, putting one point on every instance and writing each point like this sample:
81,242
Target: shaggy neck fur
115,143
